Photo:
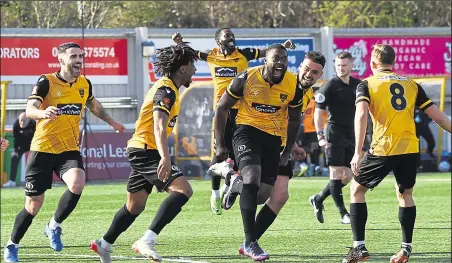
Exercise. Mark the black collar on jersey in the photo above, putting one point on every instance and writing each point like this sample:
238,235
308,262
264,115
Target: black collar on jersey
57,74
385,70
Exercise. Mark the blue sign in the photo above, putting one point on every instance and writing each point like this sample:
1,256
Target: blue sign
302,46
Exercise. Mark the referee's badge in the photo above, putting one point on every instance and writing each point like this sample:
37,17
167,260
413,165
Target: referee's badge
319,98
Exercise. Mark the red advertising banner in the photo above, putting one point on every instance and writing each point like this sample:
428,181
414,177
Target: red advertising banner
35,56
416,56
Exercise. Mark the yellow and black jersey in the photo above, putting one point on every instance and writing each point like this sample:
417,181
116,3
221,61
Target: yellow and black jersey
392,100
224,68
307,97
162,96
262,105
62,134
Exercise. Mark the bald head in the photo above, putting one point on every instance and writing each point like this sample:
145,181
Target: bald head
23,120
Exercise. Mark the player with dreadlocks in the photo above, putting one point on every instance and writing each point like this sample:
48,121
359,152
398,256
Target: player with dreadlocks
149,156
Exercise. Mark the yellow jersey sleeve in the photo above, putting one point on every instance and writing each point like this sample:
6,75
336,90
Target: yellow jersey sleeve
235,88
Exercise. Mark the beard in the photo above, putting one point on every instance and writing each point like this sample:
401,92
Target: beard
75,73
278,77
226,45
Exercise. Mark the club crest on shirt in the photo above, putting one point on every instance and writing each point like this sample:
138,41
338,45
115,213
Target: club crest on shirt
81,92
283,97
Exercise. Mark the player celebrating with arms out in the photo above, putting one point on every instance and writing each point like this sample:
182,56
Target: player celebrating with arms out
266,93
149,156
391,100
225,61
57,102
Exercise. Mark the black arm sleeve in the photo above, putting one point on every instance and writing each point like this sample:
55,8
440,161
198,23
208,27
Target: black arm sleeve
298,98
422,101
362,92
321,97
41,89
90,93
235,88
202,55
250,53
16,129
164,99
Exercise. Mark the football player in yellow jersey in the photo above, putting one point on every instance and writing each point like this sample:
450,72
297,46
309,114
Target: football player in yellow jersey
57,102
4,144
275,196
225,62
149,156
391,100
266,93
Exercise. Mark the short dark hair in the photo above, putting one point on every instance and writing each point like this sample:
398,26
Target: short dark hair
344,54
276,46
218,32
384,54
170,59
316,57
65,46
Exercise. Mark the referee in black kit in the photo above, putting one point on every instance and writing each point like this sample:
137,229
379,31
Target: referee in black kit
337,96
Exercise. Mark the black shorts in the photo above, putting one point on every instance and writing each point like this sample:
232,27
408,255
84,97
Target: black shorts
144,164
228,134
309,142
373,169
40,168
255,147
286,170
339,155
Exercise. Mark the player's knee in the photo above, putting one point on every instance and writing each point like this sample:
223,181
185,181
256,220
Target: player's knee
187,190
135,207
77,187
336,173
251,174
281,197
356,189
33,204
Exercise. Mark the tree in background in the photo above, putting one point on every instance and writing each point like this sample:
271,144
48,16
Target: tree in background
235,14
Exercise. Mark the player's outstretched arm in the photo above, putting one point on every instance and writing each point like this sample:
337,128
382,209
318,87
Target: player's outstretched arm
439,117
287,44
178,39
99,111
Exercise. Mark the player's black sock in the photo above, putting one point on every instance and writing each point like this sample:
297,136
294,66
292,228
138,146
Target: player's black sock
407,217
216,181
21,225
336,194
323,194
248,207
358,218
122,220
264,220
67,204
168,210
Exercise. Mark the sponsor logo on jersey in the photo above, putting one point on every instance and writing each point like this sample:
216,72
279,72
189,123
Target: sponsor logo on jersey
225,72
70,109
265,108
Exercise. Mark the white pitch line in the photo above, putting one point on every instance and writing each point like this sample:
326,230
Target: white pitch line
113,257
